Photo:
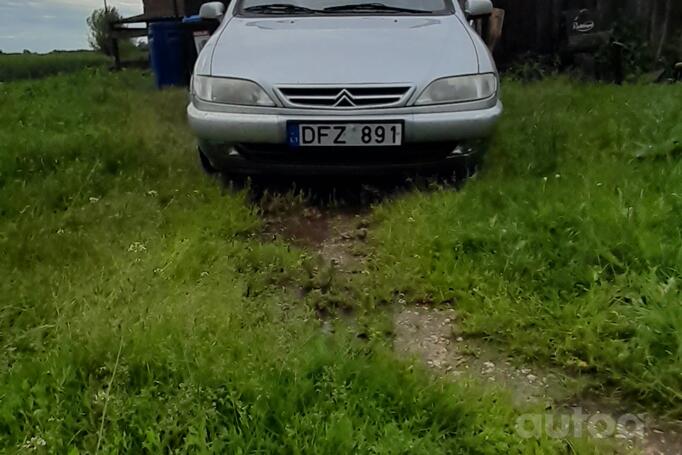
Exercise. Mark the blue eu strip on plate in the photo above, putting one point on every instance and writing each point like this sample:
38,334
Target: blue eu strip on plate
292,134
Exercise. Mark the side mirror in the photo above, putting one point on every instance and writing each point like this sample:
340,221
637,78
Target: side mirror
212,11
478,8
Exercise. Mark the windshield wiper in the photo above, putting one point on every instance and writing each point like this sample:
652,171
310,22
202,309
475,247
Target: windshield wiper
372,7
281,8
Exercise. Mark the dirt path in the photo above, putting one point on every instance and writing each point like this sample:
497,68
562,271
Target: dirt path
431,335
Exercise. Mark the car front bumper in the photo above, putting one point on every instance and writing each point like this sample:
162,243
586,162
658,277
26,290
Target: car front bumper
254,140
271,127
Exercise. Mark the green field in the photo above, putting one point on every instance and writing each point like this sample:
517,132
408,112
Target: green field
33,66
141,309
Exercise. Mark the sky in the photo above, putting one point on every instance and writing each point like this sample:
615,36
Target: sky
46,25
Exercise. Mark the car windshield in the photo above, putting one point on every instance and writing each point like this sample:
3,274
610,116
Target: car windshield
307,7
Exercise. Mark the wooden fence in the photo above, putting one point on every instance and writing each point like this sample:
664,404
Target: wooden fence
171,8
538,26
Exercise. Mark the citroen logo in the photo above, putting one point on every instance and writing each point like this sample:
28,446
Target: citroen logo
344,99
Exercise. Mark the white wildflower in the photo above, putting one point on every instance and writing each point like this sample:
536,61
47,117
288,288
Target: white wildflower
100,397
34,443
137,247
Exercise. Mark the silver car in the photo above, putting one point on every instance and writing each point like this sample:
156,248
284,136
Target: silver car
329,86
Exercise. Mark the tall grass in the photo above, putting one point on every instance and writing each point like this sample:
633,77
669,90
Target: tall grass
139,312
567,248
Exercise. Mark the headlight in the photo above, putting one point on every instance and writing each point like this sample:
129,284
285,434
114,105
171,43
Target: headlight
459,89
230,91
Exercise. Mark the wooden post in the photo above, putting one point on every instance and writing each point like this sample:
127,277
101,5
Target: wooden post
116,53
113,42
495,25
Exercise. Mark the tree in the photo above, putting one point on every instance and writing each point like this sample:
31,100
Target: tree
99,23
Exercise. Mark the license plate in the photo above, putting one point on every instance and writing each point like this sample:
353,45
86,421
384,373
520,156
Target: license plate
345,134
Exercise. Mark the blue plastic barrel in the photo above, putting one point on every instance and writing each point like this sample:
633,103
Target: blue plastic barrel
192,19
167,48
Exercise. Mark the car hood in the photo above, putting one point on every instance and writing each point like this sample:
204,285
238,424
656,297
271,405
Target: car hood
344,50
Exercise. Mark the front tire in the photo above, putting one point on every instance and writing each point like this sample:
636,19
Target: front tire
468,167
469,164
206,164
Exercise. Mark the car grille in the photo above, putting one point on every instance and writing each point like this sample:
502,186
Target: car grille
344,97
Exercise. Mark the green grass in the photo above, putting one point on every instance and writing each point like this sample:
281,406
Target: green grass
567,248
34,66
140,312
